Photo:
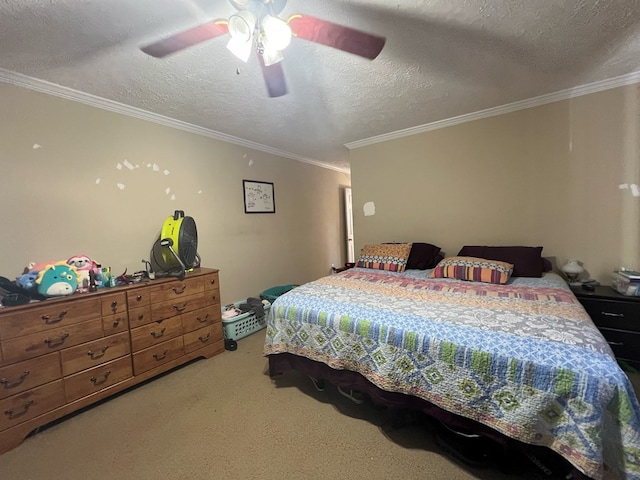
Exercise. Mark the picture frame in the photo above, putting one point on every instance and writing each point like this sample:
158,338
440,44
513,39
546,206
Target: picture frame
258,197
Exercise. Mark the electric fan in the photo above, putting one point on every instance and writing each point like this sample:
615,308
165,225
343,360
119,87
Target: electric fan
176,249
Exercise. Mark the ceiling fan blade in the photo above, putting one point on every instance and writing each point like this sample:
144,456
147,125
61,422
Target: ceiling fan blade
186,39
273,78
337,36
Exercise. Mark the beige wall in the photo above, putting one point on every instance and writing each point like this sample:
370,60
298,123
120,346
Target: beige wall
53,206
547,176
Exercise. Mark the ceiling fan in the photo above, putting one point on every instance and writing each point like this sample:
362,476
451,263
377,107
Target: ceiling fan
256,26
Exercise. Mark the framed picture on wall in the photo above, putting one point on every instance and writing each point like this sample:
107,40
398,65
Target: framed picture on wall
258,197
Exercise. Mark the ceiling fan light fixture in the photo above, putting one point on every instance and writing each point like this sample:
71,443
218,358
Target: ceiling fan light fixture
240,48
241,25
276,32
270,56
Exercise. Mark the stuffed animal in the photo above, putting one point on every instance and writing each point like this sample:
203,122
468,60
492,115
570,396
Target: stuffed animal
36,267
83,265
28,281
57,280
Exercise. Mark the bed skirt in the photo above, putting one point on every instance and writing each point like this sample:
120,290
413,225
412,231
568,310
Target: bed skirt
283,362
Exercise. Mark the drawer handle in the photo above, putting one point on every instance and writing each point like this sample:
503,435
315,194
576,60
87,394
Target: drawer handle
140,316
138,298
616,344
116,322
100,381
158,335
114,306
180,290
50,321
204,338
609,314
56,342
11,414
100,354
8,384
180,308
212,282
160,356
203,319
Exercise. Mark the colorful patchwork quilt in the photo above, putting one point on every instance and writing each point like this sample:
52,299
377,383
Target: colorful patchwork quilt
523,358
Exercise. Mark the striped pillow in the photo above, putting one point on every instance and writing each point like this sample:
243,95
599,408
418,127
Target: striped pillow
473,269
390,257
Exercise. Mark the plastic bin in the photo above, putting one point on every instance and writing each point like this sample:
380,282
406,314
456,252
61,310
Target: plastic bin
240,326
274,292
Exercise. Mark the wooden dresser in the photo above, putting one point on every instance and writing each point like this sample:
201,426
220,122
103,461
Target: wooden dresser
63,354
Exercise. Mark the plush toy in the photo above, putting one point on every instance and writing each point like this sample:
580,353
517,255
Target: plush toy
83,265
57,280
28,281
36,267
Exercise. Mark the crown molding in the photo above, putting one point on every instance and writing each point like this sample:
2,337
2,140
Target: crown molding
67,93
594,87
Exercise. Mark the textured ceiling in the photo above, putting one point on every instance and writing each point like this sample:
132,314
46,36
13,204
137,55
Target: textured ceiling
442,59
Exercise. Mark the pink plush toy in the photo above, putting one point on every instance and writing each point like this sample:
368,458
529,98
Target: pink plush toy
83,265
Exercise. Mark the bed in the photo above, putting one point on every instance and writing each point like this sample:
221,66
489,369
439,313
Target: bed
519,359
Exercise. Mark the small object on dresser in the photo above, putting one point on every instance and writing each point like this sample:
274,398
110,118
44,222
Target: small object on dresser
572,270
626,283
14,299
588,287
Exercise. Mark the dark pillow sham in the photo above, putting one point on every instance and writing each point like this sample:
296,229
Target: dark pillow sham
527,261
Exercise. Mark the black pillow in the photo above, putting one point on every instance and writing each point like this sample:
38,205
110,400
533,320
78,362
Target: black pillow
527,261
423,256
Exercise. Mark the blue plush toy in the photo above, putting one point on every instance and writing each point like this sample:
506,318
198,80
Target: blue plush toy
57,280
28,281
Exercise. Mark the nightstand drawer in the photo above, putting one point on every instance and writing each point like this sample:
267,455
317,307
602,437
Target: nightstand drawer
625,344
613,314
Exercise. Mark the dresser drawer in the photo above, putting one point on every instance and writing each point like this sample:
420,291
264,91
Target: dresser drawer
176,289
90,354
201,318
27,405
138,297
202,337
179,306
155,332
30,346
211,282
113,304
22,376
48,317
139,316
157,355
613,314
117,323
97,378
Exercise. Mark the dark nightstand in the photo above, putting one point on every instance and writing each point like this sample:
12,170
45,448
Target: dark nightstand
617,317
